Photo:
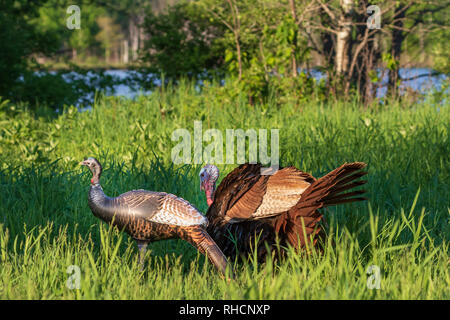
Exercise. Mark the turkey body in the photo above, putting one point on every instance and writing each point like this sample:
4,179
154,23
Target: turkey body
146,215
266,213
149,216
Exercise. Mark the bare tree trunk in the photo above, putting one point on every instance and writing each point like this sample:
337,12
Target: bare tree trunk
239,55
342,44
134,37
142,35
343,38
236,31
396,49
369,56
364,57
125,52
294,44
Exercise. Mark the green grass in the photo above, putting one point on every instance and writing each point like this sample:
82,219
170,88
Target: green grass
46,225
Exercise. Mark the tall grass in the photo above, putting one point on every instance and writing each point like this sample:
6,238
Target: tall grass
46,225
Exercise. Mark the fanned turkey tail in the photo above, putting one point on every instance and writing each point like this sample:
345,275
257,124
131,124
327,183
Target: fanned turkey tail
301,221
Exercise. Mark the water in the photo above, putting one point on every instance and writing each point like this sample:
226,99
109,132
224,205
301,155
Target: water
420,84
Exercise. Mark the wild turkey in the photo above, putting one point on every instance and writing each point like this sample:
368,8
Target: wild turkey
248,207
150,216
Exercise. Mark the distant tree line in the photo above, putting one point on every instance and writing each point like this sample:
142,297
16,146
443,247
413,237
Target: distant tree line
264,42
34,34
260,45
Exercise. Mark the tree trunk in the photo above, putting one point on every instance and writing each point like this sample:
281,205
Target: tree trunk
343,38
238,52
236,31
294,43
134,37
125,52
396,48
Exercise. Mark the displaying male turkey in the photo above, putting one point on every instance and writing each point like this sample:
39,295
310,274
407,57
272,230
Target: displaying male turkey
249,208
150,216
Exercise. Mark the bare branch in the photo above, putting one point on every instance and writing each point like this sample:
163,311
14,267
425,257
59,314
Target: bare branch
324,29
327,10
217,16
431,74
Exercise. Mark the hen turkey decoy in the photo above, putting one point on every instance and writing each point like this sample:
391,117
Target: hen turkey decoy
150,216
282,208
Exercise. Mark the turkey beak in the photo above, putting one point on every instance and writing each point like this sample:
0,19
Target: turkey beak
204,182
202,185
83,163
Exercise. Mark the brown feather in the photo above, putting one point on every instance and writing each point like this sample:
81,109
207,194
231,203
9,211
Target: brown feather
286,205
201,240
323,193
233,192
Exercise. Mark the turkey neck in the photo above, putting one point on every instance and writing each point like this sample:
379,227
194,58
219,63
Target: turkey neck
209,197
100,203
210,190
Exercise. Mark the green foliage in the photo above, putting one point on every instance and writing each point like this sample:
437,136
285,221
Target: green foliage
200,36
428,41
62,88
28,29
19,39
257,43
85,40
181,42
109,35
46,89
46,225
441,61
389,60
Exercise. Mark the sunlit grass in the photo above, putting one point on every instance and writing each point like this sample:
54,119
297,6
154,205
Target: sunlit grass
46,225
